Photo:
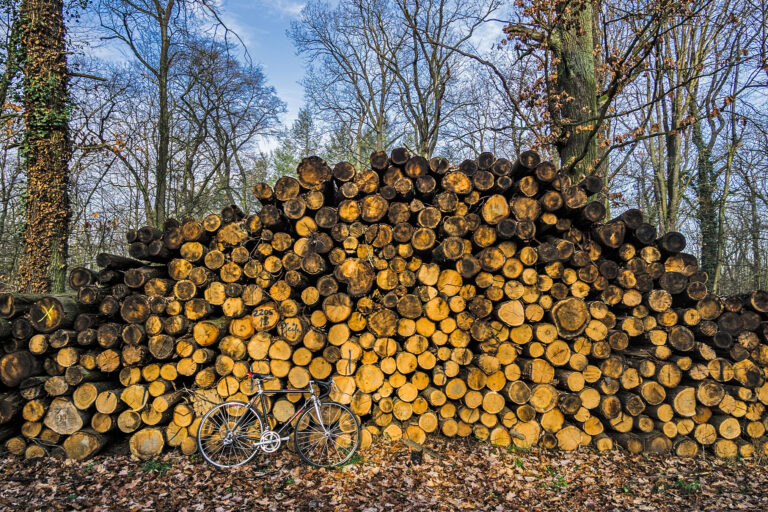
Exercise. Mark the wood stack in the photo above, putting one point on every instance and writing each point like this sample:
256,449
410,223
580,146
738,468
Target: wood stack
488,299
50,364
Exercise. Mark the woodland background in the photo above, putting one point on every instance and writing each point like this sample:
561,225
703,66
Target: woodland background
666,100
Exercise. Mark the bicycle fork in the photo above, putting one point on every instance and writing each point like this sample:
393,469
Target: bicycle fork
316,405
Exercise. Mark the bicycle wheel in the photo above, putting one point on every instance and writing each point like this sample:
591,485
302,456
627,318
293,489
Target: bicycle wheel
228,434
328,439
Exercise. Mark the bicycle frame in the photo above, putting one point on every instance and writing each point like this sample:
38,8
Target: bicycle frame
313,400
325,433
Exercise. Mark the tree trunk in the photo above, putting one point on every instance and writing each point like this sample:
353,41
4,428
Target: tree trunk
706,182
46,148
573,45
163,120
754,239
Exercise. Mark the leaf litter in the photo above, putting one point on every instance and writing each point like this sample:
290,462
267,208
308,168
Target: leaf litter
467,475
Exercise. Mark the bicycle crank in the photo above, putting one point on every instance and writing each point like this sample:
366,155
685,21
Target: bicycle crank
270,441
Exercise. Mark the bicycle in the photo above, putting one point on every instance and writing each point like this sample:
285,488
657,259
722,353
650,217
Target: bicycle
326,433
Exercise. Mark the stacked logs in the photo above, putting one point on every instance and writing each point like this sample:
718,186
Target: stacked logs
51,366
488,299
76,362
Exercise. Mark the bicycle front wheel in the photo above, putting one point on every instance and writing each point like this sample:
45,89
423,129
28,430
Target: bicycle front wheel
228,434
327,439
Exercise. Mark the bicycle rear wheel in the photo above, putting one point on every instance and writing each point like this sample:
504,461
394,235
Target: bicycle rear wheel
228,434
328,439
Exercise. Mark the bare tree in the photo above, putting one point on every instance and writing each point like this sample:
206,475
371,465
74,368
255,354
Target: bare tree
201,107
688,136
429,63
151,30
153,33
486,121
381,61
350,82
578,93
223,106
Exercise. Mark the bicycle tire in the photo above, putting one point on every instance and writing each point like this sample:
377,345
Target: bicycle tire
225,443
333,445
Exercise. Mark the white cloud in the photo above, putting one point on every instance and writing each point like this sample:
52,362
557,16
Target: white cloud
290,8
487,35
281,8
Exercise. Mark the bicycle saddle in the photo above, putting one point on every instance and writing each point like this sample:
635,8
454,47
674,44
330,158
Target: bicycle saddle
255,375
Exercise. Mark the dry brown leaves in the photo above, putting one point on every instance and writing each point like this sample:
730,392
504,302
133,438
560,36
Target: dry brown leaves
468,476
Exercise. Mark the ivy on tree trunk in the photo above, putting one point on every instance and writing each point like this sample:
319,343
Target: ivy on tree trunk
573,48
46,148
705,185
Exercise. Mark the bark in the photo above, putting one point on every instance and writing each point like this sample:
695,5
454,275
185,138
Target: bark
46,147
573,46
754,236
598,333
163,120
706,183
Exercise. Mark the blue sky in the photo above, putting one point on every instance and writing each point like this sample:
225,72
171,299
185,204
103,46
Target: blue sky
261,25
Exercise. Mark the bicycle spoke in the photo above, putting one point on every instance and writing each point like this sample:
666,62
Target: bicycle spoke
315,429
327,435
219,449
341,445
224,436
313,443
333,445
338,427
316,448
321,455
214,419
309,440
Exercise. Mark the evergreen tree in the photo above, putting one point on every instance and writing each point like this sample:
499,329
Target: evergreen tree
302,140
344,146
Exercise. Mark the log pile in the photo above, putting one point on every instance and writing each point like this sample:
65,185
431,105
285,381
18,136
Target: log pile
489,299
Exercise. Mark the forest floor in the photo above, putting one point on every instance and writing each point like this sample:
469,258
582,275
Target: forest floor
466,475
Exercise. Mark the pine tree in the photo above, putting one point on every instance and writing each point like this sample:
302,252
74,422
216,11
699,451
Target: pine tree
302,140
343,146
